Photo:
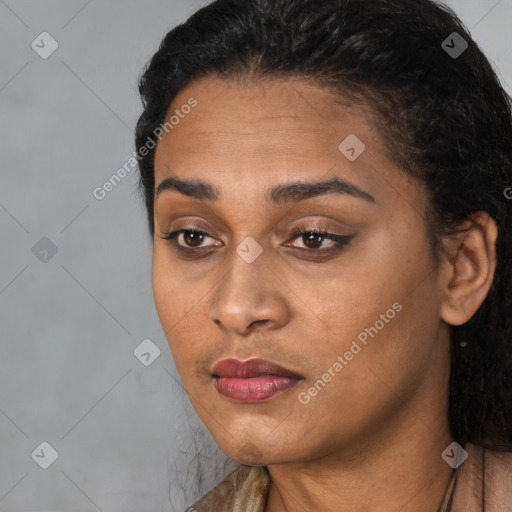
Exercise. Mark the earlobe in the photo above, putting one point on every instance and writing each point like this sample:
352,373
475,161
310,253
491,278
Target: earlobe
470,265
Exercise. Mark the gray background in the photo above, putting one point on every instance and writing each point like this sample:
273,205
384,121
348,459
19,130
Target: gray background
71,323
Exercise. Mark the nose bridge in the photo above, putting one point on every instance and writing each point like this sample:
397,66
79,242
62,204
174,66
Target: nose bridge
247,293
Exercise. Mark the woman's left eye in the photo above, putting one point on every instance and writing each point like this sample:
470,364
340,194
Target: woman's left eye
313,240
314,236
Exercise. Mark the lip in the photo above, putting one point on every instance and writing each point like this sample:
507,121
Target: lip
253,380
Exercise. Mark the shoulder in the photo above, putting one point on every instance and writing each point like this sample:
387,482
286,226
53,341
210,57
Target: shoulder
484,480
243,490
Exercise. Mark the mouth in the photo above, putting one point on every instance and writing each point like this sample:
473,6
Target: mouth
252,381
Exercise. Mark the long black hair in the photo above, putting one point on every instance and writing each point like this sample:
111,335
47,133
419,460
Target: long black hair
442,113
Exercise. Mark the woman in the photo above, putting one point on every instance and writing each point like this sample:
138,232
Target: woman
326,187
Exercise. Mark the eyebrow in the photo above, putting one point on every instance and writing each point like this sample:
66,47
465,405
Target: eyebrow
279,195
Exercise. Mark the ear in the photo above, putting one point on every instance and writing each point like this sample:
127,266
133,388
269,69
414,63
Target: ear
469,262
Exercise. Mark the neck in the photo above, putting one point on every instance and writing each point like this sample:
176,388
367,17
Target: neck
398,468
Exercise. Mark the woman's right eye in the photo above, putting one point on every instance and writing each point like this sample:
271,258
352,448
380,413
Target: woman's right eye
192,238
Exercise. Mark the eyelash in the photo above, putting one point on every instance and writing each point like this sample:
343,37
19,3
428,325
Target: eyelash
340,240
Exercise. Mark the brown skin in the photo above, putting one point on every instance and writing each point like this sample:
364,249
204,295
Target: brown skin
371,439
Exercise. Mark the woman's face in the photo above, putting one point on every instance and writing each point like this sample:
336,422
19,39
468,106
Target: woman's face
354,322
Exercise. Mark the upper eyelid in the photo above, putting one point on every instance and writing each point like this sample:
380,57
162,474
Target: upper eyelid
296,232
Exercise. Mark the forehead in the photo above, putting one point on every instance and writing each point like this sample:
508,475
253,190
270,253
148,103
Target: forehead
269,124
247,138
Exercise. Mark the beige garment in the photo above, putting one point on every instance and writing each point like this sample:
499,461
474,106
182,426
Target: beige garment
246,488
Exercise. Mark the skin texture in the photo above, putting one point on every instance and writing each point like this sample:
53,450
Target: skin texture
372,438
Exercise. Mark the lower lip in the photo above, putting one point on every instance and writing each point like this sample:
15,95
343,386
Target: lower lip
253,390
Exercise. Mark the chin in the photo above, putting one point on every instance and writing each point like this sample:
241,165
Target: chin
256,452
250,455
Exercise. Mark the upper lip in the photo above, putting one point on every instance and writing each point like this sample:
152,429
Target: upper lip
251,368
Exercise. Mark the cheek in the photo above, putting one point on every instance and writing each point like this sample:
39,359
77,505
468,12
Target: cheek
182,309
365,284
382,366
173,292
164,289
170,299
381,313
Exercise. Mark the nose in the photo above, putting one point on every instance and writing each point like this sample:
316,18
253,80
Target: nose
248,298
